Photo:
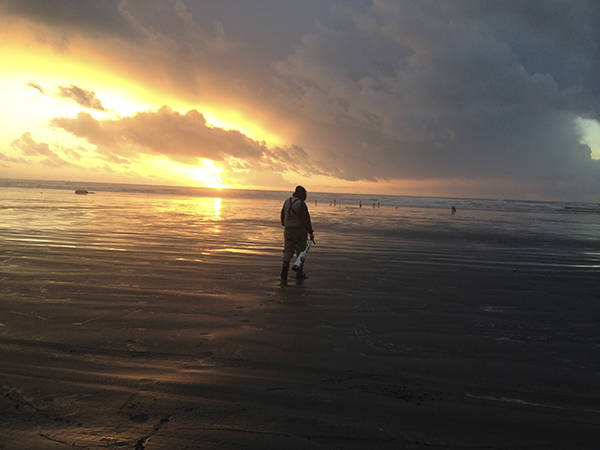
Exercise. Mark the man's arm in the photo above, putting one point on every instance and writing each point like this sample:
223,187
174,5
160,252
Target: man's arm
307,219
283,214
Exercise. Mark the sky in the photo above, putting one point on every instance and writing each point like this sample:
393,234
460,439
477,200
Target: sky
472,98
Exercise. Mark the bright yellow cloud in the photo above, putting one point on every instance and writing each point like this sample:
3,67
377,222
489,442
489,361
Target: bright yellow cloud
120,93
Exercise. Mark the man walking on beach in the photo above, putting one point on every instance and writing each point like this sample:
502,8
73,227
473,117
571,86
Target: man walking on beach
296,220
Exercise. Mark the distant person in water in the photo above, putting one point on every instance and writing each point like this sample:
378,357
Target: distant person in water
453,210
297,227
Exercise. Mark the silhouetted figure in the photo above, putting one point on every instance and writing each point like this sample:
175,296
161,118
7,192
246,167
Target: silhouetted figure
359,204
373,204
334,203
453,210
297,226
378,205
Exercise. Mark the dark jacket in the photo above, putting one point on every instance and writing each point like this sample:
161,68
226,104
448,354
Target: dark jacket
294,214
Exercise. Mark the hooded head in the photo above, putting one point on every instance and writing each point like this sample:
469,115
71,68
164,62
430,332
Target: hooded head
300,193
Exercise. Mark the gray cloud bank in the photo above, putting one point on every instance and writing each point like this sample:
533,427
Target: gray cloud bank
430,89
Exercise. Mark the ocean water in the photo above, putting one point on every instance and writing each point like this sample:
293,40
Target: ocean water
207,225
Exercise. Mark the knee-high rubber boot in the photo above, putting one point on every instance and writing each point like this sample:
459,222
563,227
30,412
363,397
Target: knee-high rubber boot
300,275
284,272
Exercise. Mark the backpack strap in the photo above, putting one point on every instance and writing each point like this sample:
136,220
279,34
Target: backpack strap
291,209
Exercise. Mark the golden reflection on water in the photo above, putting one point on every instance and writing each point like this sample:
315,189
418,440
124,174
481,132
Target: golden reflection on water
217,208
202,211
216,215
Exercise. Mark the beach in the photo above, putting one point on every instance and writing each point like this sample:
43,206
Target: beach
156,320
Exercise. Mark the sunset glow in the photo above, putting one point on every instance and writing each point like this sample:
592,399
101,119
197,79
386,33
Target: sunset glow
353,99
208,174
299,224
34,79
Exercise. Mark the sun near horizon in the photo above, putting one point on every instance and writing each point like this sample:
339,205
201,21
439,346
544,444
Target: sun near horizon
40,80
34,79
338,99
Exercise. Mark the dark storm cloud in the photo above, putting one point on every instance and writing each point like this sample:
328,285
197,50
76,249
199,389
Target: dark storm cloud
449,89
82,96
471,89
91,16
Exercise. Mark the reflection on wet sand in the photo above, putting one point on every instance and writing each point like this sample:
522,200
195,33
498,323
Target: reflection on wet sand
411,332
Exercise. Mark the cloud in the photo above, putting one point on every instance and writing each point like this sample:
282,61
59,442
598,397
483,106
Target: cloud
372,90
87,16
31,151
427,89
37,87
184,138
82,96
10,159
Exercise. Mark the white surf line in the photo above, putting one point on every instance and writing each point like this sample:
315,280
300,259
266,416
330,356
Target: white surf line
519,401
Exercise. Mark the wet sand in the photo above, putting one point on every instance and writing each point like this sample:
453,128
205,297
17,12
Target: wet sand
146,340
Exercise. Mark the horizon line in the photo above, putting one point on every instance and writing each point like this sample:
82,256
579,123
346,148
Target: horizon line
282,190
